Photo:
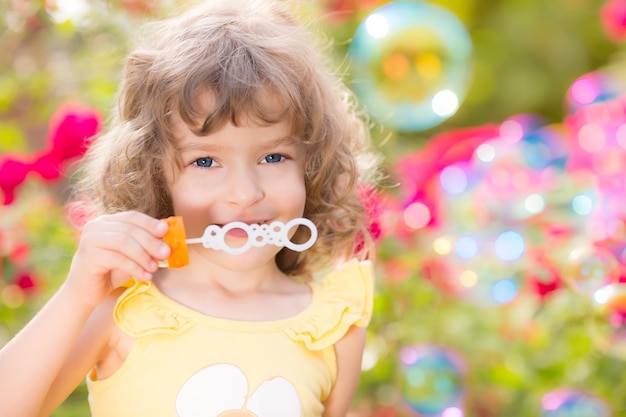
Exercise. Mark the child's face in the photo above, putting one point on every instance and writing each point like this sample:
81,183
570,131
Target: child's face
251,173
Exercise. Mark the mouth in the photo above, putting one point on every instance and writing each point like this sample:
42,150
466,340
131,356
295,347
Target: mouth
242,232
247,222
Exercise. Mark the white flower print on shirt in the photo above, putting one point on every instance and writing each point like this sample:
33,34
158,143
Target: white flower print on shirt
222,391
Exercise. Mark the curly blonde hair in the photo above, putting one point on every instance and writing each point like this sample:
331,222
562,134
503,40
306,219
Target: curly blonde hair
239,51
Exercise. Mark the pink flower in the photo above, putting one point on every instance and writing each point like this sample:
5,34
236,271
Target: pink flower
71,128
418,170
13,173
377,207
47,166
77,212
543,286
613,15
26,282
373,203
19,254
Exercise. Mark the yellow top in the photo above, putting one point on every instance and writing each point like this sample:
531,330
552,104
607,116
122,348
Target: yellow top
187,364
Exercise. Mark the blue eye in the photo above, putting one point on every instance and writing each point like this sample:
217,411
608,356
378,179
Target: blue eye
204,162
273,158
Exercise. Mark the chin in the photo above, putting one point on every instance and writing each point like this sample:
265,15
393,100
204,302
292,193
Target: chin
246,261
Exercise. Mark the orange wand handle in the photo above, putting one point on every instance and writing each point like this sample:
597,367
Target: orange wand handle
175,239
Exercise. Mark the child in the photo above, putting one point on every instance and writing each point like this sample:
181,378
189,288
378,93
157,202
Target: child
225,114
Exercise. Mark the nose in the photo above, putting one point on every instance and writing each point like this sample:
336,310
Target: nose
244,187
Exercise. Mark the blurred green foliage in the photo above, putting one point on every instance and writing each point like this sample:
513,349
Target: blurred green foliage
527,53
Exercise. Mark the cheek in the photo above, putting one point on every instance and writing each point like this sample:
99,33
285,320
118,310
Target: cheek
300,200
193,204
294,194
195,218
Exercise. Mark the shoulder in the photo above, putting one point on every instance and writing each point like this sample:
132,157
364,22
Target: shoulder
142,310
342,299
350,274
350,288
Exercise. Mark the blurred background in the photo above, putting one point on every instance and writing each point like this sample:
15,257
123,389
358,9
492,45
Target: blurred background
500,223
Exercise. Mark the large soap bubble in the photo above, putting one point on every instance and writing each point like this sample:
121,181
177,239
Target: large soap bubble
432,379
410,64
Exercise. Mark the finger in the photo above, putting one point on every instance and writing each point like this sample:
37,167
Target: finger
126,271
137,245
121,232
156,227
116,267
102,240
125,268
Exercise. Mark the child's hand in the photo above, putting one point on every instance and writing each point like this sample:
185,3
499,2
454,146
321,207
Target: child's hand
114,248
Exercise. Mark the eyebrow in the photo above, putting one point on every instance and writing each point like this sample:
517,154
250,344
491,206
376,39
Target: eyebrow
204,146
286,140
208,146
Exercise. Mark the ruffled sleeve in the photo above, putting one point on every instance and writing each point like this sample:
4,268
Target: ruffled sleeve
140,312
345,300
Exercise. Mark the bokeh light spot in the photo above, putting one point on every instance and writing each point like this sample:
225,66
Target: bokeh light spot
591,138
12,296
428,65
442,246
417,215
486,152
408,355
510,246
377,26
468,278
370,359
452,412
583,91
534,203
620,136
511,131
445,103
453,180
582,205
396,66
72,10
504,291
466,247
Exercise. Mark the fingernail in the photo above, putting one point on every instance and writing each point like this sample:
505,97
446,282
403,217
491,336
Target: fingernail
164,251
162,227
147,276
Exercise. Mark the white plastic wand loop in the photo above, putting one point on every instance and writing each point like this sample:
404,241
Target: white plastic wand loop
275,233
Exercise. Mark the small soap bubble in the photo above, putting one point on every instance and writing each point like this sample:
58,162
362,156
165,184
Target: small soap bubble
590,268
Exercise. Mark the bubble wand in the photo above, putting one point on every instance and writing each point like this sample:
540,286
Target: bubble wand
275,233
